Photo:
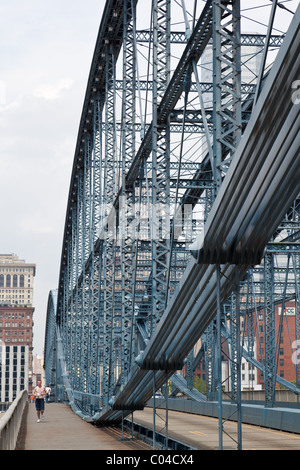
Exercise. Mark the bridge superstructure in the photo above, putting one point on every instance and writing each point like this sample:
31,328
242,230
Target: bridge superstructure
183,209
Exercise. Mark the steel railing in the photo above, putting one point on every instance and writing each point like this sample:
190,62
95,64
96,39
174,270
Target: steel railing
10,423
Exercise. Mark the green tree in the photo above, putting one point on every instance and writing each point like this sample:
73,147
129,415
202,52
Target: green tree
200,384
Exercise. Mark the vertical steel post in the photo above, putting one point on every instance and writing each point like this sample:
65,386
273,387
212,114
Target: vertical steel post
160,215
126,209
227,117
219,357
167,415
238,364
110,230
296,262
210,359
296,270
217,97
269,330
154,412
226,137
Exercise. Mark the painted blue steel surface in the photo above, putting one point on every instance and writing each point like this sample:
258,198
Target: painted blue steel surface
95,337
280,418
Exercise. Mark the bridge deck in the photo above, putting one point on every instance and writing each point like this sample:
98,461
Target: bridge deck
63,430
201,432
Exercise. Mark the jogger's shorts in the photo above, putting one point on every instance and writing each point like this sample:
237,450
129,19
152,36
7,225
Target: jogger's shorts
39,404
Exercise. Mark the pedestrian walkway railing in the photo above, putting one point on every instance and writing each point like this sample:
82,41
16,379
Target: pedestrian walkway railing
10,423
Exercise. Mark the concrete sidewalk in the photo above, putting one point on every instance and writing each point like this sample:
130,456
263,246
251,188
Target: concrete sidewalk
63,430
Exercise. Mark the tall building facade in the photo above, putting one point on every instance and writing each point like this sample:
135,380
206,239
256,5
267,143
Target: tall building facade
16,324
14,371
285,328
16,281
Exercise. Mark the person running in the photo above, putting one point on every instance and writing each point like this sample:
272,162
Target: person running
39,393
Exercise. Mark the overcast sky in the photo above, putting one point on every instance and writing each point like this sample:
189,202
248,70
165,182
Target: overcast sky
46,48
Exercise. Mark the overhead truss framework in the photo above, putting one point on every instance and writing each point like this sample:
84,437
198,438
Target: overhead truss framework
155,145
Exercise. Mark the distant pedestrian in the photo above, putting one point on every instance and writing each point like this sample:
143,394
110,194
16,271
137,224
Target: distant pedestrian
48,393
39,393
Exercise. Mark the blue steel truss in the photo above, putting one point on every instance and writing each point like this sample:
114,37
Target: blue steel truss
174,181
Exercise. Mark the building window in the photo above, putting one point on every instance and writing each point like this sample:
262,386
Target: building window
22,280
1,280
15,281
8,280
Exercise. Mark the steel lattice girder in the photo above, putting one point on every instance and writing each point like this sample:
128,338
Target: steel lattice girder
193,305
71,271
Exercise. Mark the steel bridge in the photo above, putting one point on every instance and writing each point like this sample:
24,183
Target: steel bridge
183,216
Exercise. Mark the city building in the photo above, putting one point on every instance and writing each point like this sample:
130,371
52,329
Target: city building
14,371
285,328
286,353
16,323
37,370
16,281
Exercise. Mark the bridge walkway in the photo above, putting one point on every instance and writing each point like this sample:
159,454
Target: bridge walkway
202,432
63,430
